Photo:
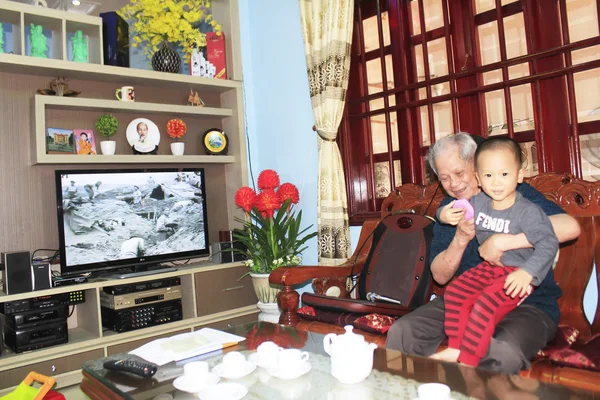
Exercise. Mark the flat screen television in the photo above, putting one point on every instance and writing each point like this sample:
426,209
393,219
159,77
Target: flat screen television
130,219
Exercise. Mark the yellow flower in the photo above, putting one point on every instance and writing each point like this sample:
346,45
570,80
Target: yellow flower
173,21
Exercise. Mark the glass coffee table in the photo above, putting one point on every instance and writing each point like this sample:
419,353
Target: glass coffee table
394,375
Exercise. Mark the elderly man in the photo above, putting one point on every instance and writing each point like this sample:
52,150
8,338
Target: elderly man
454,249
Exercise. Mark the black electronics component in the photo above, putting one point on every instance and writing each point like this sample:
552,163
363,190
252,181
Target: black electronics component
142,286
66,280
51,300
28,319
141,317
139,368
37,337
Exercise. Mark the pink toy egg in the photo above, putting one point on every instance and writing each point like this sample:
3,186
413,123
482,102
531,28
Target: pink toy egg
463,203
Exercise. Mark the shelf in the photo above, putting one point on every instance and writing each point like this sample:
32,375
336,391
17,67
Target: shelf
79,340
19,64
57,102
116,105
132,159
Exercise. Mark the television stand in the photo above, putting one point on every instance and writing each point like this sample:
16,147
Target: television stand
139,271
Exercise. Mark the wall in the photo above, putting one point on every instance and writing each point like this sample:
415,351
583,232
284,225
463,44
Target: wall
278,111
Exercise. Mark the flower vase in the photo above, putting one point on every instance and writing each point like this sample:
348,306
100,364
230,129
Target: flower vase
267,297
177,148
166,59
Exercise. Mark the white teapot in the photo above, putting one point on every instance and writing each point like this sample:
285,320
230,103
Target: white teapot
351,356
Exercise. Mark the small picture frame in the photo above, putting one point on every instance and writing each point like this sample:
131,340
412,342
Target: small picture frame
59,141
143,136
85,144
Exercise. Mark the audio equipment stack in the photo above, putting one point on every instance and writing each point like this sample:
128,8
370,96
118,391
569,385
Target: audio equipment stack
135,306
38,322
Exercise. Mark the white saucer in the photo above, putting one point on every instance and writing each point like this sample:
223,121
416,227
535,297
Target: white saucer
222,391
284,373
185,385
253,358
220,370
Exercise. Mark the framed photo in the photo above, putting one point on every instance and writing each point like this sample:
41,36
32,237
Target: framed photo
59,141
85,143
143,136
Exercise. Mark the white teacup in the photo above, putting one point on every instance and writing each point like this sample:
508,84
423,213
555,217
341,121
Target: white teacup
267,353
195,371
433,391
291,358
234,362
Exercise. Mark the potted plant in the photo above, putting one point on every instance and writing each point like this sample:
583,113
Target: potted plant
107,126
176,128
169,22
271,236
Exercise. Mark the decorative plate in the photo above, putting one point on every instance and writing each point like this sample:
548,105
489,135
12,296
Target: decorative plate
215,142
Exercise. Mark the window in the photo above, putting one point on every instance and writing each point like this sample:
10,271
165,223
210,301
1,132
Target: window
424,69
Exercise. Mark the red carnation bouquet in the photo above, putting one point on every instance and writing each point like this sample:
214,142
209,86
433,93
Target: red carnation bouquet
271,233
176,128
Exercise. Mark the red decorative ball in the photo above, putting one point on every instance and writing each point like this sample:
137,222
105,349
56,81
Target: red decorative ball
267,201
245,198
176,128
288,191
268,179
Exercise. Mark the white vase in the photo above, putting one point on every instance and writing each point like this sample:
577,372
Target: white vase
108,147
265,292
177,148
269,312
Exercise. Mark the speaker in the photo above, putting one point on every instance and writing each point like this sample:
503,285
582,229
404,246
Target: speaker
221,252
42,276
16,272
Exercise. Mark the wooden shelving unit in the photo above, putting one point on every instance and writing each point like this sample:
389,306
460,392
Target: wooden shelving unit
19,64
60,24
211,294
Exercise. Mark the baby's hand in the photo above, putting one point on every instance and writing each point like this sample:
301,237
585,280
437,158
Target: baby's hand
517,283
450,215
464,203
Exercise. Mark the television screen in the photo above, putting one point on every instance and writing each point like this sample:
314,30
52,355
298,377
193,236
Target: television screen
109,219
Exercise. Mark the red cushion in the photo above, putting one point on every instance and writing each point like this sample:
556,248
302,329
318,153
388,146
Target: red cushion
565,336
580,355
374,323
329,317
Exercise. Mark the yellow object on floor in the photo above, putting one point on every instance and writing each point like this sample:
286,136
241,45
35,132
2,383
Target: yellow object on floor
25,390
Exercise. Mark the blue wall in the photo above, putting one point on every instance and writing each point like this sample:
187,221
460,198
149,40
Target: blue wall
279,116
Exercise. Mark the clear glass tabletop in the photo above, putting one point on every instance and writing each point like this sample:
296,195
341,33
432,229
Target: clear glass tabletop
394,375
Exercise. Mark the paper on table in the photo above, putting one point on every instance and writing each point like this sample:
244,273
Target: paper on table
185,345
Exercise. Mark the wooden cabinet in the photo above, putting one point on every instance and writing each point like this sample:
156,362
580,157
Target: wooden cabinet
222,290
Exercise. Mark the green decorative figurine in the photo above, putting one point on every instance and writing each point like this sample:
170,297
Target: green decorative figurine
80,50
38,42
1,38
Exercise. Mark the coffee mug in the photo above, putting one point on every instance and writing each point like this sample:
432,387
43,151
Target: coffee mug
267,353
433,391
234,362
126,93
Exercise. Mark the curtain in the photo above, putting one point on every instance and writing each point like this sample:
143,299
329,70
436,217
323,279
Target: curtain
327,32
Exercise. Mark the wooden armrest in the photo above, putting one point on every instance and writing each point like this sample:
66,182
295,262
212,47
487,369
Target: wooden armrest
288,276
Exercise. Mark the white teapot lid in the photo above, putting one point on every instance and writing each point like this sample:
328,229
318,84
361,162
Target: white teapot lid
350,338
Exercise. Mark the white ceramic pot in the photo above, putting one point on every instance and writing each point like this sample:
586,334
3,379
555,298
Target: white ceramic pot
108,147
265,292
177,148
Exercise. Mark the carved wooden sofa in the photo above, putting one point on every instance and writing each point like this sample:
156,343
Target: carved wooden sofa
573,271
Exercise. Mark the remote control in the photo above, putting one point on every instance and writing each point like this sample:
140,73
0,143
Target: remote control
140,368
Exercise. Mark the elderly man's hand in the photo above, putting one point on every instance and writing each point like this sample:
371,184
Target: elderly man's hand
465,231
492,249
